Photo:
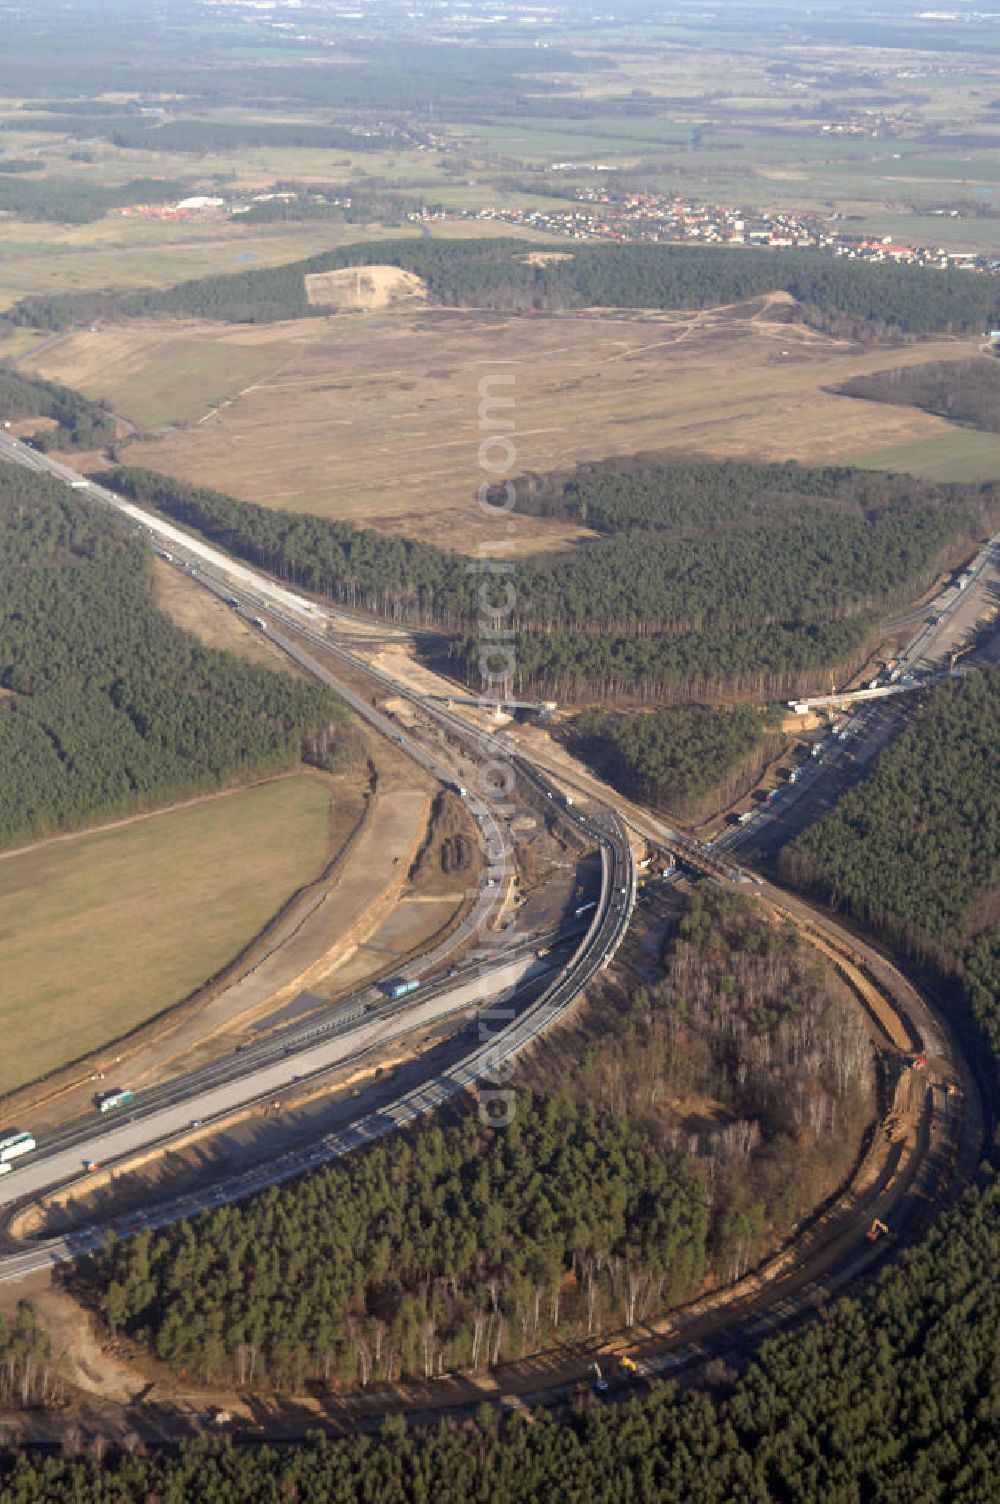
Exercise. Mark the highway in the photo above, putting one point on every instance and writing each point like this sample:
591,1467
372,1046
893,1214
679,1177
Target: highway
484,1065
297,626
260,1070
348,1030
165,1112
955,608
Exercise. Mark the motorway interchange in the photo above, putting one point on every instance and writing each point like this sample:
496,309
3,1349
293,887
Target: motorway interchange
541,990
163,1114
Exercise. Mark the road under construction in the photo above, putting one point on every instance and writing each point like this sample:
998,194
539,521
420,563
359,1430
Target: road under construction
898,1182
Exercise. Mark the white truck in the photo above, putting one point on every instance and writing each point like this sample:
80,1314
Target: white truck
14,1145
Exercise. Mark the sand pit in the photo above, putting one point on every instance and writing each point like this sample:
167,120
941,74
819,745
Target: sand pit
365,288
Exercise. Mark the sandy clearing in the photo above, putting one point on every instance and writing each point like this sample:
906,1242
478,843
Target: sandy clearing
365,288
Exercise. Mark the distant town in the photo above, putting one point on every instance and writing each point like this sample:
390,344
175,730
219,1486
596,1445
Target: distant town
601,214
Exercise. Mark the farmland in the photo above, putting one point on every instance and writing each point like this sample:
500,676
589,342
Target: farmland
142,252
104,930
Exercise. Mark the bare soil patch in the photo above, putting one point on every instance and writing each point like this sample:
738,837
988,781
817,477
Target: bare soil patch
76,1338
543,258
365,287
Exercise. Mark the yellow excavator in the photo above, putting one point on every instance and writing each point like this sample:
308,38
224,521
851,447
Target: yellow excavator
877,1230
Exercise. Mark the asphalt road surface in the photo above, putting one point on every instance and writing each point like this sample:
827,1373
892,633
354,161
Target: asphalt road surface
110,1138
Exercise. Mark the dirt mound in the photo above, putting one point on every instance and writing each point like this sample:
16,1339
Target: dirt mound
365,287
766,308
779,308
450,845
456,854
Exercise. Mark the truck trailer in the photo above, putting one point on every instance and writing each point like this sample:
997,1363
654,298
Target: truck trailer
401,988
120,1097
14,1145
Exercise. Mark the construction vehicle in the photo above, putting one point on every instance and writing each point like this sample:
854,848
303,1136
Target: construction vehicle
878,1229
627,1364
600,1382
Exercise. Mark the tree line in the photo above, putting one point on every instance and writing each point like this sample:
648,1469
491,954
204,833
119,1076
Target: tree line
28,1375
130,132
915,851
340,1277
369,199
846,298
885,1396
80,423
965,391
108,707
742,1017
74,202
690,588
195,64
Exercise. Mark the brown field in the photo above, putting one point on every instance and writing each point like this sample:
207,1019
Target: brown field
375,418
103,930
